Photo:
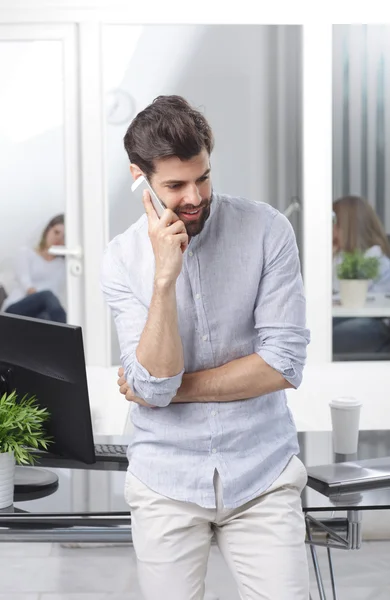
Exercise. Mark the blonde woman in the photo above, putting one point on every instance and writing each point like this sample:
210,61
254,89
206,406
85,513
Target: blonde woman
40,278
357,227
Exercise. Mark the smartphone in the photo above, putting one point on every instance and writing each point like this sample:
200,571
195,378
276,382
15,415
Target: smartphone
140,185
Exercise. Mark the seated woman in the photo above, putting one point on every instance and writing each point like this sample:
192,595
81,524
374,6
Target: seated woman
357,227
40,278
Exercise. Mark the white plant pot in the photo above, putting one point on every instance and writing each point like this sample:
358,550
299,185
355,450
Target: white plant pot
7,478
353,292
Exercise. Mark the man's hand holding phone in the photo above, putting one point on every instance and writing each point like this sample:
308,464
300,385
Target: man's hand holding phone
169,241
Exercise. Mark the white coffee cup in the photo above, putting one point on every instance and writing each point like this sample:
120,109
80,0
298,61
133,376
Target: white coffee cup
345,414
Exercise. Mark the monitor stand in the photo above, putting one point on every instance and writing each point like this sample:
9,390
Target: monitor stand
32,483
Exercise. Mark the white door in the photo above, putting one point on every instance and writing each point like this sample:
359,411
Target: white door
39,136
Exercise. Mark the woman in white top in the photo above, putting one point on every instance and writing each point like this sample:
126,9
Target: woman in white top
40,278
357,227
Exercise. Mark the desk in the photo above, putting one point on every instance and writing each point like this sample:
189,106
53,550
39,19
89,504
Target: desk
377,305
89,506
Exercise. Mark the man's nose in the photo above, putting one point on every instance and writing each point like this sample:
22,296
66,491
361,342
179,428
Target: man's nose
193,196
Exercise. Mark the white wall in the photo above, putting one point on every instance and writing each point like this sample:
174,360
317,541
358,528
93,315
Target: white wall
369,382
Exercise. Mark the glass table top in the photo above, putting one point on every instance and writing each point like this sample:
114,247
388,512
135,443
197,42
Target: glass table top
92,491
317,449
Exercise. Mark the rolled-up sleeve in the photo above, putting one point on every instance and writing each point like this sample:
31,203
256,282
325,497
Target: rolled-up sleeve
130,316
280,311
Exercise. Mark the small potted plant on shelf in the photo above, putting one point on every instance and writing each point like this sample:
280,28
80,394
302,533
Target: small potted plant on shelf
355,272
21,431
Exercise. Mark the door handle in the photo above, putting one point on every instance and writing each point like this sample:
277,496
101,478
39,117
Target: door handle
76,252
293,207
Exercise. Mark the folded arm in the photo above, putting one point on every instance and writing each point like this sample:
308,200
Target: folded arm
239,379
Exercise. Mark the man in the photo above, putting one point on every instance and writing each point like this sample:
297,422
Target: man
210,313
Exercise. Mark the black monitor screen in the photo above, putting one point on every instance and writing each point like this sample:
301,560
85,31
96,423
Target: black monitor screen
46,359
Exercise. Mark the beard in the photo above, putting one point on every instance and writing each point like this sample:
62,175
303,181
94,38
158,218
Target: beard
194,228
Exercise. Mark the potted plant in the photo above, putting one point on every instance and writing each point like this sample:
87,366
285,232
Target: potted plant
355,272
21,430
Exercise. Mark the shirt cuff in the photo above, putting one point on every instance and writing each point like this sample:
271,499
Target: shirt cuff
283,366
157,391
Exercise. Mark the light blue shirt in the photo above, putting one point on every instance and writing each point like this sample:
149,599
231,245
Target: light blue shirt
239,292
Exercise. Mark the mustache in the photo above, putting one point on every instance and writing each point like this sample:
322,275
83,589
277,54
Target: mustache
204,204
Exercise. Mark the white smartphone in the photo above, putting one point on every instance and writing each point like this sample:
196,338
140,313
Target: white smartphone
140,185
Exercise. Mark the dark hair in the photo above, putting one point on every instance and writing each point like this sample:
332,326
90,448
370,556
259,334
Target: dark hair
58,220
167,127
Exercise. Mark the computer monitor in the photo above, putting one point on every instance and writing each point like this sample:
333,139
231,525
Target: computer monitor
46,359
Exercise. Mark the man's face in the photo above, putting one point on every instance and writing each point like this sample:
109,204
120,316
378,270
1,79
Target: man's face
185,188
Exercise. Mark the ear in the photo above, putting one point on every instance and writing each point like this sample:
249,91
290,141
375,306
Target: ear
135,171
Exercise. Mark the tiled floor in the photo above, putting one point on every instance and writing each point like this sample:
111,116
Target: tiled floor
53,572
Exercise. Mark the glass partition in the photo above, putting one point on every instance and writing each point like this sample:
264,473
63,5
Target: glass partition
361,188
32,179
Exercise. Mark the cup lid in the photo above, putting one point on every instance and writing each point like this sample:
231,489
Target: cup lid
345,402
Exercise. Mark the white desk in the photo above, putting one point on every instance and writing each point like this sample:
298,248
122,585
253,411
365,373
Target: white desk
377,305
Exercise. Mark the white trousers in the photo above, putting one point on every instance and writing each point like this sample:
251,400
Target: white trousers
262,542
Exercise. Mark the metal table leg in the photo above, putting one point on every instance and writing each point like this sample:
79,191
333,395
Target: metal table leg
317,570
332,574
344,534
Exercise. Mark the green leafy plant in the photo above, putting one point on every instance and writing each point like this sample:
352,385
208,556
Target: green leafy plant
357,266
21,427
